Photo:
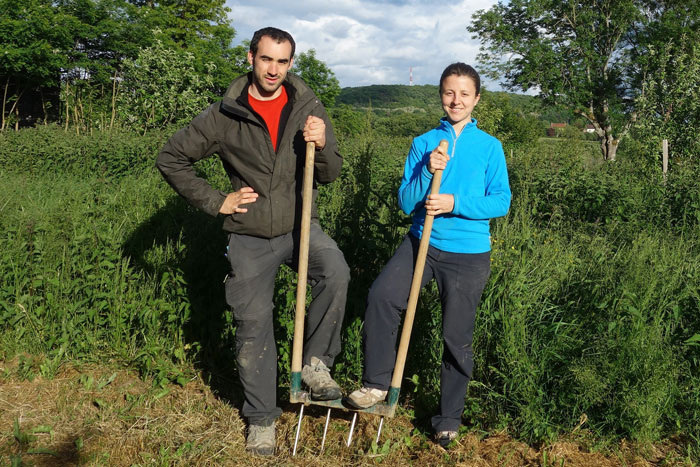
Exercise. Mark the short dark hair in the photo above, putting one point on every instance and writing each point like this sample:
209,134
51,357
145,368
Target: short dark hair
274,34
461,69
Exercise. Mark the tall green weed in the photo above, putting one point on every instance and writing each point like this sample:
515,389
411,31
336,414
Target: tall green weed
46,150
592,306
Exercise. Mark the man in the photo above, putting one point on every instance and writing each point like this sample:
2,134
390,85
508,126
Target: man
260,130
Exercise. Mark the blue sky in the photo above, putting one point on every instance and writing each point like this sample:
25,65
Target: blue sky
371,41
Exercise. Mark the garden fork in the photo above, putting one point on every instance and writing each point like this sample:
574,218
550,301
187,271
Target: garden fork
386,408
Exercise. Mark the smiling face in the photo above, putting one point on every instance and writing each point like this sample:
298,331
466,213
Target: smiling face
459,97
270,63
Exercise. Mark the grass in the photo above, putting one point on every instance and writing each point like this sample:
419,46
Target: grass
587,332
105,415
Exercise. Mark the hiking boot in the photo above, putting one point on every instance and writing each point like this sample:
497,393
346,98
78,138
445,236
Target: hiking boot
365,397
444,438
317,377
261,440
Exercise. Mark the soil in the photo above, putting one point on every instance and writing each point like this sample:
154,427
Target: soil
104,415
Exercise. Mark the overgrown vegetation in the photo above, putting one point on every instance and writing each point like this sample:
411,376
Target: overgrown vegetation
98,64
590,322
590,318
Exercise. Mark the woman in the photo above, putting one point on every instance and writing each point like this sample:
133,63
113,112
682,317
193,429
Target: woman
474,189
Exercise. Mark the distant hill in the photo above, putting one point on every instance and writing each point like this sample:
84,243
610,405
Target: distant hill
402,110
420,98
390,96
409,110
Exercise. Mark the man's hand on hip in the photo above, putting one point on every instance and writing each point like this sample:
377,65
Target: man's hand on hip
232,203
315,131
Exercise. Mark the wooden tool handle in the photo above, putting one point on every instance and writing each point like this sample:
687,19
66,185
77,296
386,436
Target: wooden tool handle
302,272
415,284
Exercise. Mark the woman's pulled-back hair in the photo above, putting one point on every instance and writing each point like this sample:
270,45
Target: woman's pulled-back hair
461,69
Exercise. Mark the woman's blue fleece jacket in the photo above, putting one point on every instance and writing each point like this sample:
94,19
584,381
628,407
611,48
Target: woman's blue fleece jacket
476,175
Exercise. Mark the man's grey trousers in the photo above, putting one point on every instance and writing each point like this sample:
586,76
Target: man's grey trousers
250,291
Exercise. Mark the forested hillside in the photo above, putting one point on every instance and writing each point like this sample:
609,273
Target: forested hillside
399,96
390,96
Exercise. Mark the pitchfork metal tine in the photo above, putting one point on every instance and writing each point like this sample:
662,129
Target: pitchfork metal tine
325,429
296,438
352,428
379,431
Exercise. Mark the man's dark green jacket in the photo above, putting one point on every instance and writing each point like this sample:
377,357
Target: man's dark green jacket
232,130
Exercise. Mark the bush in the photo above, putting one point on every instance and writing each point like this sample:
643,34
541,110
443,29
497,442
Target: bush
51,150
161,87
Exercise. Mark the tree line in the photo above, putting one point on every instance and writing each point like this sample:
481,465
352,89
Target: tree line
93,64
623,65
627,67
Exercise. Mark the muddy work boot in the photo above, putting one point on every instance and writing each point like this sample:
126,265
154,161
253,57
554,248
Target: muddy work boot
261,440
317,377
444,438
365,398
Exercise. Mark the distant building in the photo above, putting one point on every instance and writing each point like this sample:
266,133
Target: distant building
589,129
555,128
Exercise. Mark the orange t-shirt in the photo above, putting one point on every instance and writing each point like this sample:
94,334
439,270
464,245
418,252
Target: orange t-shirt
270,112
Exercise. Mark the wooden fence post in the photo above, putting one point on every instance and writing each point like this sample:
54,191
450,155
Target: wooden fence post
664,161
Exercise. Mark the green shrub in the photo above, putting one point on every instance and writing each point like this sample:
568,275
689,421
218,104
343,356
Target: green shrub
48,150
161,87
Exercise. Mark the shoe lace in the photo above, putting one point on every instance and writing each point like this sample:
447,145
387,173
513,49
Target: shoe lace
258,430
321,367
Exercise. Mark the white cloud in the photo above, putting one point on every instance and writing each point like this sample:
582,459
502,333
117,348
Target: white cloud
371,41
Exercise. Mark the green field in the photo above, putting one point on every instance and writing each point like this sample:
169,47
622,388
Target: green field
590,321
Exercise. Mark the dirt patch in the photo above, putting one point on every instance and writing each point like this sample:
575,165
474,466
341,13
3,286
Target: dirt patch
97,415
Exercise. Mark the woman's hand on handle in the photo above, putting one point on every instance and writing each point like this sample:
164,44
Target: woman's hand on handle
439,204
438,159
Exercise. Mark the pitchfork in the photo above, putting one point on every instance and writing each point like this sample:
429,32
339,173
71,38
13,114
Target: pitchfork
383,409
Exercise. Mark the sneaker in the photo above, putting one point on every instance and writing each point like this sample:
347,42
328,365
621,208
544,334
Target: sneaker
261,440
317,377
444,438
366,397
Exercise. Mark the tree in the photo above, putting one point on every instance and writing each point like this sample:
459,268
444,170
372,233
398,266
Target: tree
33,41
202,28
585,55
161,87
78,46
669,103
348,121
105,32
318,76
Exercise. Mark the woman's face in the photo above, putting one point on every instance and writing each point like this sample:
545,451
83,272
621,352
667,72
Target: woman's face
459,97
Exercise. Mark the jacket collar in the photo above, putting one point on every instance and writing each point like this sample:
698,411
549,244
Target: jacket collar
447,127
235,100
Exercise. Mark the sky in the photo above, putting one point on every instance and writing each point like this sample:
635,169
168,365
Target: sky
371,41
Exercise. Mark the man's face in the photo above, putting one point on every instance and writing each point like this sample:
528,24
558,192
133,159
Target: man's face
270,66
